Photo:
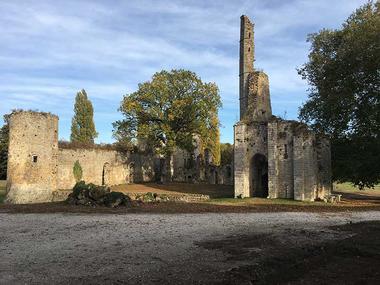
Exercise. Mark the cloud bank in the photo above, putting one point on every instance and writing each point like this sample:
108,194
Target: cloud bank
51,49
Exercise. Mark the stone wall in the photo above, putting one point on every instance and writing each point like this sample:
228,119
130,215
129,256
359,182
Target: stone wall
32,157
324,166
259,107
305,166
250,139
101,167
280,159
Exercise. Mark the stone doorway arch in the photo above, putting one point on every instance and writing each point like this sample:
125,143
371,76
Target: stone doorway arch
258,176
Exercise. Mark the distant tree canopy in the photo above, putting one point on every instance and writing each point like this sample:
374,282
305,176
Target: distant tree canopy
82,125
226,153
344,101
169,111
4,140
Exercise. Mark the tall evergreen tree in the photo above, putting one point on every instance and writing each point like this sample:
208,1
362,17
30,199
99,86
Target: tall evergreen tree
82,125
4,139
169,111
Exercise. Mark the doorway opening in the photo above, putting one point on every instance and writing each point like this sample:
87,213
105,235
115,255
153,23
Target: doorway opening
259,176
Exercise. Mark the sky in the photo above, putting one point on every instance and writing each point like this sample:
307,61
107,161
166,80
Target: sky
49,50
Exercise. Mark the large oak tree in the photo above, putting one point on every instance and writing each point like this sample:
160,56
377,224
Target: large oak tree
169,111
344,101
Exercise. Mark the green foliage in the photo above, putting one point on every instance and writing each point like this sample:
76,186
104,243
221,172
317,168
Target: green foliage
77,171
4,139
169,111
82,125
227,153
344,100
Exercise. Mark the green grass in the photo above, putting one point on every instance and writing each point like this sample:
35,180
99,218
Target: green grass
2,190
347,186
258,201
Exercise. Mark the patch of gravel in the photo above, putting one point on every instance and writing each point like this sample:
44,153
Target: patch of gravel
145,248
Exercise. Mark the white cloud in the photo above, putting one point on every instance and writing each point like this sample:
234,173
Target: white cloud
51,49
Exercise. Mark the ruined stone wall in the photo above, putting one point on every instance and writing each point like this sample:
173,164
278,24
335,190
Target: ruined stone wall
280,159
259,106
305,166
324,166
32,157
250,139
183,166
143,168
101,167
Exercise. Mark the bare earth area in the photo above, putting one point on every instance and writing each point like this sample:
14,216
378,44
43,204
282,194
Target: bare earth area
214,248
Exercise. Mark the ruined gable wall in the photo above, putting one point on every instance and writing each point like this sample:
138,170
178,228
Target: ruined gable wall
32,157
280,159
305,166
324,166
259,106
250,138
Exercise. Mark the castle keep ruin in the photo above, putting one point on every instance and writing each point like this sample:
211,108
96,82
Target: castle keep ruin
274,158
39,167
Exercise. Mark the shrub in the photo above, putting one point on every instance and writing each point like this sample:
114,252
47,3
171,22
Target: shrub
78,172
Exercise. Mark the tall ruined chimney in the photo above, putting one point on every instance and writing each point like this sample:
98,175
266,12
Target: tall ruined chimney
247,48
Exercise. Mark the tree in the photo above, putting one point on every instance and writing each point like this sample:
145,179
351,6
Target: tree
4,139
77,171
226,153
82,125
344,100
170,111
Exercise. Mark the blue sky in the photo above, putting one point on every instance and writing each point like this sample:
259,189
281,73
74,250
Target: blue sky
51,49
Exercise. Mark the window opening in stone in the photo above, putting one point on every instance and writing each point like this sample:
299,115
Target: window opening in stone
249,49
34,158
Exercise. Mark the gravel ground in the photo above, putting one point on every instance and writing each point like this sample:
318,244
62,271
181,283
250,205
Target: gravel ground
154,248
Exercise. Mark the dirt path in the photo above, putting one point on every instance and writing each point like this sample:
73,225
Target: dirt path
178,248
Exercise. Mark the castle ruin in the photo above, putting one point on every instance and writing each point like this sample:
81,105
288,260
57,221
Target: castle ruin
274,158
39,167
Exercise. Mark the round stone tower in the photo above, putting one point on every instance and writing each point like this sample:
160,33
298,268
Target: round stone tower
32,157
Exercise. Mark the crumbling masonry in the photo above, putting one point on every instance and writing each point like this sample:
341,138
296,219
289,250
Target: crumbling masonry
39,167
274,158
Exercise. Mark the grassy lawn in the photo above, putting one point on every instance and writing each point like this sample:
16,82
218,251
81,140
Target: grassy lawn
2,190
347,186
260,201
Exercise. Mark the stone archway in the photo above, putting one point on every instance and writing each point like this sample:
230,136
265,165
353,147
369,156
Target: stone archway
258,176
106,175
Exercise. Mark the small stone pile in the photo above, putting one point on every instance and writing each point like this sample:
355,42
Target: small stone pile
94,195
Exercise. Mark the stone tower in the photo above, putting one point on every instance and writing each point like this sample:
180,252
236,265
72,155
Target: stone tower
246,61
254,85
32,157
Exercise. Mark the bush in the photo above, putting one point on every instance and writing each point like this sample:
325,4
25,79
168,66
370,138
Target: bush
77,170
